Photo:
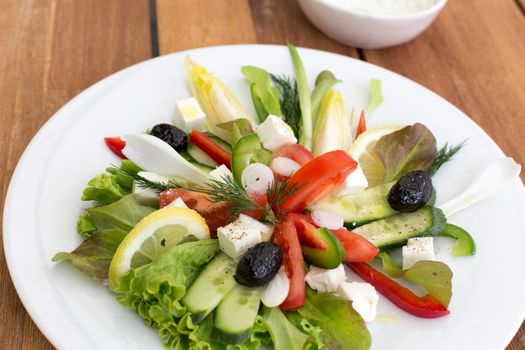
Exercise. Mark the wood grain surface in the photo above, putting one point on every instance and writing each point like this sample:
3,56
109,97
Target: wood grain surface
473,56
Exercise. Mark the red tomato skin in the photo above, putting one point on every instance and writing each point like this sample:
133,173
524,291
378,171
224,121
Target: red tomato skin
306,231
215,214
318,179
116,145
357,248
261,200
295,152
285,237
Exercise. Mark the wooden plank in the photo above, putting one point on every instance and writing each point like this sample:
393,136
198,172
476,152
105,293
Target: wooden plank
282,21
186,24
49,52
476,62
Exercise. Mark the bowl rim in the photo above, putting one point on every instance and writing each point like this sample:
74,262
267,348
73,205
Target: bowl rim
434,9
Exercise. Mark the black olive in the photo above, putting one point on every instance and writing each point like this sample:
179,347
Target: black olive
412,191
172,135
259,264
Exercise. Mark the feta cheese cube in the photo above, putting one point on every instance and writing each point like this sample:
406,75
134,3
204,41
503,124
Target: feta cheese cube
148,196
355,182
220,172
363,296
274,133
189,115
179,203
236,238
266,230
417,249
323,280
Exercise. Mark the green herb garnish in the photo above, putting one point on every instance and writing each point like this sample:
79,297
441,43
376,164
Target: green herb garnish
290,105
445,154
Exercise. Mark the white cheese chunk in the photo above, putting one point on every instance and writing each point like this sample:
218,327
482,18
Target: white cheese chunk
363,296
276,291
323,280
220,172
189,115
179,203
266,230
148,196
355,182
274,133
417,249
236,238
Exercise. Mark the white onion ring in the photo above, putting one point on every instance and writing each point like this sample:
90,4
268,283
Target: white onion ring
256,178
284,166
323,218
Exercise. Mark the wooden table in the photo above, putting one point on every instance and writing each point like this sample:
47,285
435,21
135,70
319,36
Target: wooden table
50,50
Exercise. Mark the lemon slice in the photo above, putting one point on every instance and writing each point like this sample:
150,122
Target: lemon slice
361,151
154,234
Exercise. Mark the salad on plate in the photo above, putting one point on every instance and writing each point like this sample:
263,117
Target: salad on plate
225,230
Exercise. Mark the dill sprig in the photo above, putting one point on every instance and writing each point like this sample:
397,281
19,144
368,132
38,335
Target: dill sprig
445,154
289,99
228,190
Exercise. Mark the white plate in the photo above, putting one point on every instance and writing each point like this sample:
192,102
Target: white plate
43,203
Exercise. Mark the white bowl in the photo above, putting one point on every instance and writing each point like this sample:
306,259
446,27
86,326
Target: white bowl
365,30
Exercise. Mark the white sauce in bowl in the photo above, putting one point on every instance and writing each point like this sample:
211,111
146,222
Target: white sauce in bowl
384,7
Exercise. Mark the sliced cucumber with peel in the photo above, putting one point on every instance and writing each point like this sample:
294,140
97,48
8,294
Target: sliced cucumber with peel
210,287
235,315
396,230
328,258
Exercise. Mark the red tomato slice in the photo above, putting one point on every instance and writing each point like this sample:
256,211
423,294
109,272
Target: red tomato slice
295,152
318,179
116,145
215,214
361,127
285,237
262,200
357,248
306,231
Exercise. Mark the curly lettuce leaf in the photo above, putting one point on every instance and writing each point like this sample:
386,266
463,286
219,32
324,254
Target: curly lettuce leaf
393,155
123,214
266,98
123,174
434,276
285,336
85,226
315,338
343,327
94,255
103,188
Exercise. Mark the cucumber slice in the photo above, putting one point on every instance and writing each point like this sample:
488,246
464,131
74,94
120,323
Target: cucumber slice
395,230
328,258
243,153
359,208
213,283
235,315
199,156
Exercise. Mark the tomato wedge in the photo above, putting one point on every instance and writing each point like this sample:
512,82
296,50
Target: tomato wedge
357,248
361,127
318,178
298,153
404,298
285,237
306,231
210,147
215,214
116,145
260,199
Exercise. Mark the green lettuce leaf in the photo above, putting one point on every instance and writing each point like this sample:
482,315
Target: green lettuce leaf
285,336
343,327
154,290
315,338
393,155
434,276
376,95
103,188
265,97
237,129
123,214
85,226
94,255
123,174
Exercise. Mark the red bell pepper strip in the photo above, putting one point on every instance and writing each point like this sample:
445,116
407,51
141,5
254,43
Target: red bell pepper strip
116,145
404,298
306,231
286,238
357,248
361,127
318,178
210,147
